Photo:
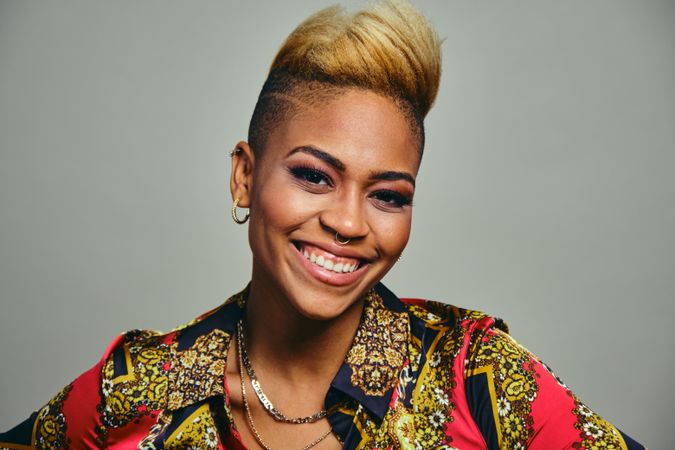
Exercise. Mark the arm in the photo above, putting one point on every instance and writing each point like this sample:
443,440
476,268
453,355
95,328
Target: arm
113,403
69,420
518,402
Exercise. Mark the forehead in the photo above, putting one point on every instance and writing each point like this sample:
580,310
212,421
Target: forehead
362,128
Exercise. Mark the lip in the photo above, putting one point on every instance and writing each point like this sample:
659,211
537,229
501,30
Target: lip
335,249
328,276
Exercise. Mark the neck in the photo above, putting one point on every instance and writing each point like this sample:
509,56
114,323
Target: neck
307,350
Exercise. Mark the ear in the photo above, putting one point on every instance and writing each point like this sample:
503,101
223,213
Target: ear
241,178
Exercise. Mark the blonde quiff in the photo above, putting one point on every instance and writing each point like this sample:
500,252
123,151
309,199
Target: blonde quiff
389,48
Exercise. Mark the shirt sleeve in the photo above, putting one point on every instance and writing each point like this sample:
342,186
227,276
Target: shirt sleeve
69,420
517,402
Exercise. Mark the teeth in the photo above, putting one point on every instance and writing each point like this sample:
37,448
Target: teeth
329,264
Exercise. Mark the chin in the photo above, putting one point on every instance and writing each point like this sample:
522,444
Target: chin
319,293
324,308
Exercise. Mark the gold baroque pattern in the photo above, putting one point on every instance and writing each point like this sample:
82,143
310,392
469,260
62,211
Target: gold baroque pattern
379,347
198,431
163,422
594,431
515,387
423,425
433,398
372,436
50,430
433,313
142,389
199,370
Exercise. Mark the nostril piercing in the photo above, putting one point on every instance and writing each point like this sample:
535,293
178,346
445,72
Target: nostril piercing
339,241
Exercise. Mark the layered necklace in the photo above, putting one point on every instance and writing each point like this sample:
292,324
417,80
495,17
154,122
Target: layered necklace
245,362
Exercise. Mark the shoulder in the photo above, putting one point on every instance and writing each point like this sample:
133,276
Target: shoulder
120,387
483,341
134,376
434,313
142,378
513,398
145,372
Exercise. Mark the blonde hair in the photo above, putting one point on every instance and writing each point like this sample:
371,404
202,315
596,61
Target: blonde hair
389,48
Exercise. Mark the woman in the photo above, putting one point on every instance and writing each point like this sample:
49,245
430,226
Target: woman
315,352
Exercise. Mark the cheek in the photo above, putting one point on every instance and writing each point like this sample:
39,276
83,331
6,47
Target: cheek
281,206
392,231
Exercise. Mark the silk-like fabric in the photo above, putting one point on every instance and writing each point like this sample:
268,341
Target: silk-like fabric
419,375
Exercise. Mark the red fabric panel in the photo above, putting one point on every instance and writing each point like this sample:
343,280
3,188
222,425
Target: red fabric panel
552,413
129,436
79,409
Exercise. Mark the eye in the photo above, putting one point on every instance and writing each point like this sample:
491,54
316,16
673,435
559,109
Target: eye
311,176
391,199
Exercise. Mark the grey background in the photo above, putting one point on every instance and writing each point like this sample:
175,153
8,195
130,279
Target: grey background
545,196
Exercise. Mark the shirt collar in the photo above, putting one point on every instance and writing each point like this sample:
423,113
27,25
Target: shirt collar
199,354
368,375
379,351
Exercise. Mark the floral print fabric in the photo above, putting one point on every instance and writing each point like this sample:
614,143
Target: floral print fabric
419,375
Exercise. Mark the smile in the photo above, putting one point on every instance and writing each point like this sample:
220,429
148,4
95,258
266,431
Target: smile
327,267
328,261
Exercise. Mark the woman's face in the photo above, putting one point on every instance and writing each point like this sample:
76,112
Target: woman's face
345,167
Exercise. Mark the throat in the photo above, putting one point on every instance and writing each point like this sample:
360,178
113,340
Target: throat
297,350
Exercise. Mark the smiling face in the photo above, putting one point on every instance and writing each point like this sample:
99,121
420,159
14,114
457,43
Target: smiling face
346,167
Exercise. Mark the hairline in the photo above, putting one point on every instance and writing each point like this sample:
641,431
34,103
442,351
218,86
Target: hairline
304,95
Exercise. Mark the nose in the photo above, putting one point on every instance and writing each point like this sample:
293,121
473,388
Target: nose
346,216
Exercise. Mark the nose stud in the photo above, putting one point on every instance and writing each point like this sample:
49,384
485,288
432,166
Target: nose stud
339,241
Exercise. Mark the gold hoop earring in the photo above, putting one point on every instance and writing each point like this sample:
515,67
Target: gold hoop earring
338,241
234,213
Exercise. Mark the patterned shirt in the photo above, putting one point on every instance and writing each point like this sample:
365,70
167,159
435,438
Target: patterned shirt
419,375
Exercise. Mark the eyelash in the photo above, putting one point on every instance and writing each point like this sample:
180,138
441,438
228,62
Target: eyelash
394,198
303,173
387,197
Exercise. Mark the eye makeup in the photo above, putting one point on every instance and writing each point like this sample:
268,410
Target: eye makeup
392,198
311,176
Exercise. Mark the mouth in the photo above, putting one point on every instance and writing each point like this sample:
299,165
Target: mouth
327,260
329,267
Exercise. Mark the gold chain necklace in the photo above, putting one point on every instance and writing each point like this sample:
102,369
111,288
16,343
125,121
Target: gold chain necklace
267,404
249,417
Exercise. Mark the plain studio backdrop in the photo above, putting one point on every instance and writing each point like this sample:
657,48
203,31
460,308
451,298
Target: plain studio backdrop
545,196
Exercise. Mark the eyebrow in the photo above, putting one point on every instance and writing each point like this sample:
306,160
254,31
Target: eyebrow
388,175
393,176
320,154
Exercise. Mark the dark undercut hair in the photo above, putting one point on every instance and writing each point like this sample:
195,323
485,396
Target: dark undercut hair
284,95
